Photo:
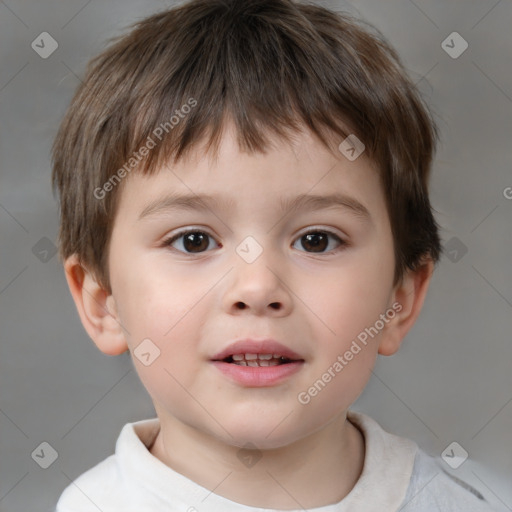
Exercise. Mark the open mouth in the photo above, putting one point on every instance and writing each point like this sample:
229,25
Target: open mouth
256,365
257,359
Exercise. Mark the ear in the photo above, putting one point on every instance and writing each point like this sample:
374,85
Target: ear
409,294
96,308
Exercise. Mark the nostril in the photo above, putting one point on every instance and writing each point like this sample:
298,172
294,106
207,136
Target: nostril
273,305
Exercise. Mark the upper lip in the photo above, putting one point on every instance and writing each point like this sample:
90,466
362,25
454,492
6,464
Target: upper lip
251,346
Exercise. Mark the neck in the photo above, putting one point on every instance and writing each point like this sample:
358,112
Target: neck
312,472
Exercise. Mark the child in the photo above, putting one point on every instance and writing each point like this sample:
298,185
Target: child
244,207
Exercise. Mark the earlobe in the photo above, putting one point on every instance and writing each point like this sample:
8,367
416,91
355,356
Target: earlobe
96,308
410,295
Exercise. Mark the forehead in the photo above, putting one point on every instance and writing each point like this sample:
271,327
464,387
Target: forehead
289,175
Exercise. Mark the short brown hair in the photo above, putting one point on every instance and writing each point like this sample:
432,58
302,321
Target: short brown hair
271,66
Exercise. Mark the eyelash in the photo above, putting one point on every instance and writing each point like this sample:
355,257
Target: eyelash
169,241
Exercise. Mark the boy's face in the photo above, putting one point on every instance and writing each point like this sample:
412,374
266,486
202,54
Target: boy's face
195,297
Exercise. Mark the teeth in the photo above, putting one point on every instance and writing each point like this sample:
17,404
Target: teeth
253,357
273,362
257,359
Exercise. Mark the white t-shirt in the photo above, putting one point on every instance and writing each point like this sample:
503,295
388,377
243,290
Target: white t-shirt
396,476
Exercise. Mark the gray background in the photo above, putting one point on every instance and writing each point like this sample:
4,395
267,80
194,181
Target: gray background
452,379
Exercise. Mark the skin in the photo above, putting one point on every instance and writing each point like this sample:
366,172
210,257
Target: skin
187,304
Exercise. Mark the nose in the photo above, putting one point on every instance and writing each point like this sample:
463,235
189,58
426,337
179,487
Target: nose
259,288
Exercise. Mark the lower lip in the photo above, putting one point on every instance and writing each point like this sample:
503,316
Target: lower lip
258,376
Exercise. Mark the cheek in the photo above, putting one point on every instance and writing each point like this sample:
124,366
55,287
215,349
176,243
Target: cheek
351,300
156,305
156,310
348,307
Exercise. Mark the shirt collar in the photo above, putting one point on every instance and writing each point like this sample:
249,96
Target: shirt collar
382,485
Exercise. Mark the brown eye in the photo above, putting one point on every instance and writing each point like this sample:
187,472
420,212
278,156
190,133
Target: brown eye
318,241
191,241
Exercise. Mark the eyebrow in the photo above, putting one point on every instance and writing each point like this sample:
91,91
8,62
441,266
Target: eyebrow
203,202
